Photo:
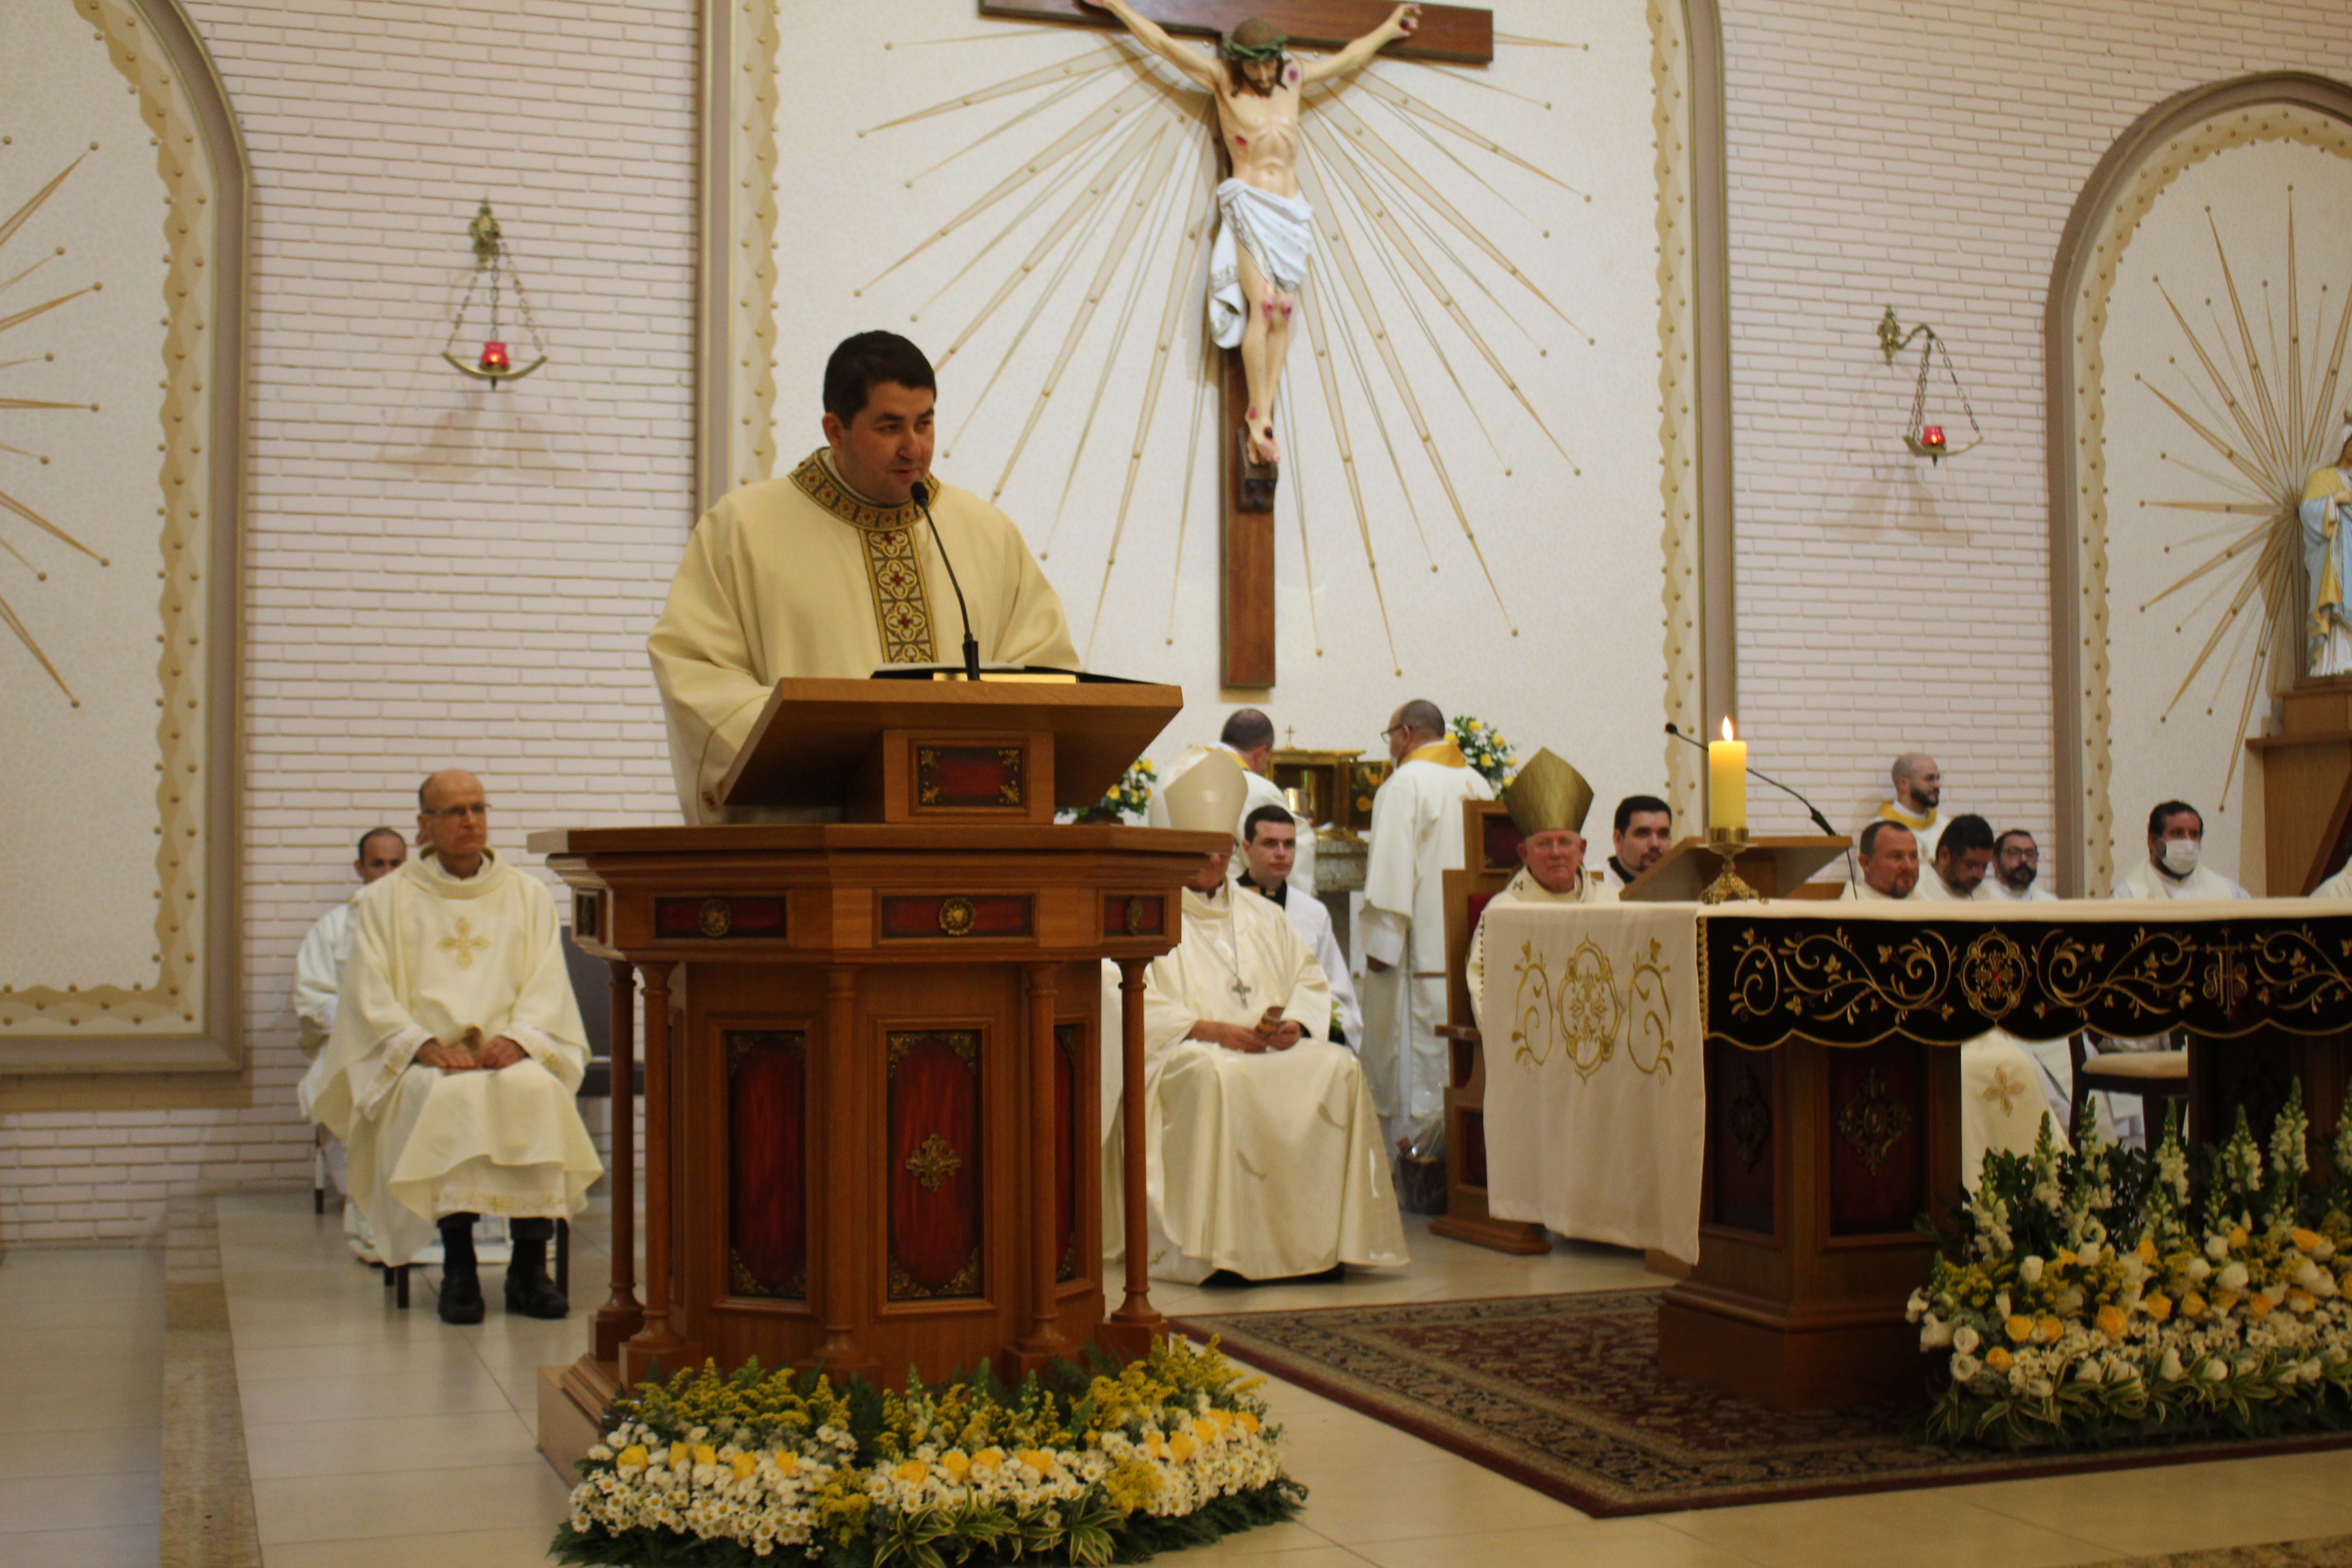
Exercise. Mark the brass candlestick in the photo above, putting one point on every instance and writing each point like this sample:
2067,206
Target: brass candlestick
1725,844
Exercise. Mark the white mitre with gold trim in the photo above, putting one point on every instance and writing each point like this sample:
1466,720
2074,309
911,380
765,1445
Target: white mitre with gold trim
1205,792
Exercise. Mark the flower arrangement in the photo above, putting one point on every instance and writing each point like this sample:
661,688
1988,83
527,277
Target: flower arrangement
1483,746
1171,1450
1131,796
2110,1294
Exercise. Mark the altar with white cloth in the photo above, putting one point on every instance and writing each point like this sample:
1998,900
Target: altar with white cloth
1771,1089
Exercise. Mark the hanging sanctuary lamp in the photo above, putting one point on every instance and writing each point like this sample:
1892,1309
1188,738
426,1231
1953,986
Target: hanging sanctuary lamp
1920,438
494,273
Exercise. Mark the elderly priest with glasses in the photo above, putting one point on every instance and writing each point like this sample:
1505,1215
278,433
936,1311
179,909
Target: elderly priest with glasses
1263,1155
455,1053
1548,801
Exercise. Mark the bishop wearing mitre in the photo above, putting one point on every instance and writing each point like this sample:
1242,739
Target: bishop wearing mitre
1416,837
455,1055
1263,1149
1548,801
833,571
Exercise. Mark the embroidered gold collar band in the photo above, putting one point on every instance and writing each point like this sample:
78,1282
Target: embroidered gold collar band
822,485
894,570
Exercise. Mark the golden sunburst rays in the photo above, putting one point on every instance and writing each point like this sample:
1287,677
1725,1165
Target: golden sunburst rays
1121,200
10,504
2266,407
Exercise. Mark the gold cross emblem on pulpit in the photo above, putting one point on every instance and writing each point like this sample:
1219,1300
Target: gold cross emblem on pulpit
464,944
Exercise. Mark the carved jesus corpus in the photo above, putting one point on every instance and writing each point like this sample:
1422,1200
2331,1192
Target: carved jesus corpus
1266,232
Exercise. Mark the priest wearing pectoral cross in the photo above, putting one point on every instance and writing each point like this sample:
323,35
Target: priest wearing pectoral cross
833,572
1263,1154
1548,801
455,1055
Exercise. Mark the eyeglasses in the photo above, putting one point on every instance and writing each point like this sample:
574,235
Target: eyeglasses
480,809
1396,730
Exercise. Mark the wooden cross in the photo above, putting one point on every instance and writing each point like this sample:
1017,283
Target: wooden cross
1458,35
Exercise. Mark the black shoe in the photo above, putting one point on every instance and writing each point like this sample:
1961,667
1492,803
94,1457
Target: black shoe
461,1280
528,1289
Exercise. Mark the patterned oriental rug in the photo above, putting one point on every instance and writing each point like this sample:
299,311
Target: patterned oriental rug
1563,1394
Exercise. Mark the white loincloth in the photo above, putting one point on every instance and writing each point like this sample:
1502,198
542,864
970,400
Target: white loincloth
1279,234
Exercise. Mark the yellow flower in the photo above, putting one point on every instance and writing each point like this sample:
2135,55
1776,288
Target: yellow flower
2257,1306
913,1472
2307,1240
2020,1328
2066,1257
2144,1252
1155,1445
1999,1359
956,1463
1036,1459
1248,1423
678,1456
2048,1329
704,1454
787,1465
2112,1323
744,1465
1181,1448
2157,1305
2223,1301
989,1459
2192,1305
1207,1431
633,1457
2301,1300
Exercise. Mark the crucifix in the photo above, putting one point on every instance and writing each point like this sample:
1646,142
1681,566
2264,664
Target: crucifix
1258,91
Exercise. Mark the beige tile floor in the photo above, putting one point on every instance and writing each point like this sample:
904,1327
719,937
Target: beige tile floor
383,1439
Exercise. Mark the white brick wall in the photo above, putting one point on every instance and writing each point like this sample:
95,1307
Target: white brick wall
435,574
1923,156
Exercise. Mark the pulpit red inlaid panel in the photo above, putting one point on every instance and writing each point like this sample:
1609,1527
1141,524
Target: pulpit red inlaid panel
1742,1123
934,1153
1879,1151
767,1164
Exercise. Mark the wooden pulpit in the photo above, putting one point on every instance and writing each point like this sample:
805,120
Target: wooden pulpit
871,1053
1774,867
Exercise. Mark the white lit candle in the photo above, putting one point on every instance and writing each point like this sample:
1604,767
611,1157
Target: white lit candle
1726,782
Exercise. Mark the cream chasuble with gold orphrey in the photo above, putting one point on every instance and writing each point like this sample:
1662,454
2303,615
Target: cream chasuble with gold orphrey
1269,1163
440,957
802,576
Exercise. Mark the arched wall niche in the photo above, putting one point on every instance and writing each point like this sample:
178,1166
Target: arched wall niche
124,188
2115,354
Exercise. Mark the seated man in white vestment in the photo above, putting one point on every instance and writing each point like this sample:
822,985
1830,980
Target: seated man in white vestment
1955,872
1269,835
2176,842
456,1051
1263,1150
833,572
2339,886
1889,863
2016,870
1919,791
318,966
1415,838
1643,833
1548,801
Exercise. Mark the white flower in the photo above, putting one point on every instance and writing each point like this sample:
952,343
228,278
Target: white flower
2215,1369
1964,1368
2169,1368
2087,1372
1935,1333
2217,1248
1916,1306
1965,1340
2030,1270
2041,1388
2234,1278
2198,1270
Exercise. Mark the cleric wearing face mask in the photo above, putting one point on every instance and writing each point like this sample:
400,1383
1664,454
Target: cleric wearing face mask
2176,836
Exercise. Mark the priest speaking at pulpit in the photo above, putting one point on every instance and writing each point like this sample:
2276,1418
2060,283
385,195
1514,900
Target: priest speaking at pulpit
834,571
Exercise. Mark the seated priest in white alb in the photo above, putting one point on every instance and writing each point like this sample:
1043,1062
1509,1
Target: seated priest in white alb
1548,801
1270,834
318,964
1889,863
2176,838
833,572
1263,1150
1642,832
2003,1101
1955,872
2339,886
1415,838
2016,871
454,1057
1248,739
1919,791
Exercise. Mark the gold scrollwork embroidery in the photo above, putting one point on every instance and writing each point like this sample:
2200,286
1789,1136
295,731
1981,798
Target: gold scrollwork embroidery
934,1163
1993,974
1587,1014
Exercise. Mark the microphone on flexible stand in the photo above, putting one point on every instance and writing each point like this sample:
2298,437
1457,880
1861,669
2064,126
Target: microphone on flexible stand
921,495
1811,809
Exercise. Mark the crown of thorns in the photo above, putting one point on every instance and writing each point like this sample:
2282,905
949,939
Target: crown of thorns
1269,51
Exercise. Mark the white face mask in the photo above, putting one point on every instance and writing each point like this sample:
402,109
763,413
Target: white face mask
2181,856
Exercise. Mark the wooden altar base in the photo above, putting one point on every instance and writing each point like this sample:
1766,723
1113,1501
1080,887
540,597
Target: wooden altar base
1817,1160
